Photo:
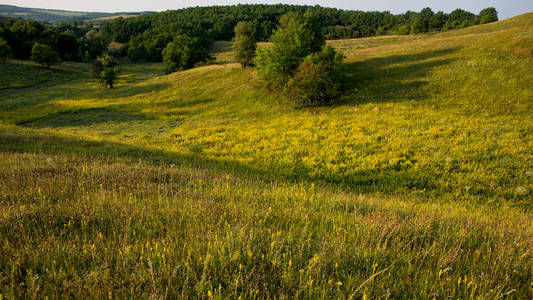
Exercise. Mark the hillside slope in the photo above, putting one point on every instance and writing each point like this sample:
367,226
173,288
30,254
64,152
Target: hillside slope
417,184
55,16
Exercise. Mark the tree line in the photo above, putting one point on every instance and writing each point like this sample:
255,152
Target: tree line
50,45
146,36
69,42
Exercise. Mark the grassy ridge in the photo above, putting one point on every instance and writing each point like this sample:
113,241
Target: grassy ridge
56,16
418,184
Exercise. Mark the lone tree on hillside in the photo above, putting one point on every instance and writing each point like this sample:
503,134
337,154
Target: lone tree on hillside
44,55
183,53
106,69
5,51
297,36
300,61
488,15
244,45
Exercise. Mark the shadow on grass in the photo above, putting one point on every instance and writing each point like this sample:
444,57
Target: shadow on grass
24,82
391,79
183,104
382,180
130,91
57,145
84,117
19,77
73,91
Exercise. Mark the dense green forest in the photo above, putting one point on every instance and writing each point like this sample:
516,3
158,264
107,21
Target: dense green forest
146,36
72,43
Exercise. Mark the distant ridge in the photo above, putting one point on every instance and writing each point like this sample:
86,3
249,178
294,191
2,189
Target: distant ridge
54,15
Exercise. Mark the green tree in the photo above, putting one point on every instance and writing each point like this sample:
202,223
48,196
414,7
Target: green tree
44,55
402,29
95,43
437,21
244,45
106,69
183,53
312,20
295,38
425,15
488,15
417,25
5,51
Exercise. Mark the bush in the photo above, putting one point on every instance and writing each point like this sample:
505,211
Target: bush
106,69
5,51
244,45
317,80
297,37
44,55
184,53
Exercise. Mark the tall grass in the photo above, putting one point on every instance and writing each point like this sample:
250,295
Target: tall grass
200,184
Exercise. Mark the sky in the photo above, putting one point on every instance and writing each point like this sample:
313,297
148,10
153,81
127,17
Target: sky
506,8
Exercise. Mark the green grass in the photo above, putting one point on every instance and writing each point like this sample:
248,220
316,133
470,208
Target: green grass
417,184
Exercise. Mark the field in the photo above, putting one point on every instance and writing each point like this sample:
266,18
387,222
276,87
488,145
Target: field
418,183
56,16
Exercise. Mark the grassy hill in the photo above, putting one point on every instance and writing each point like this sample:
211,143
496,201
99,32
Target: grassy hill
417,184
54,15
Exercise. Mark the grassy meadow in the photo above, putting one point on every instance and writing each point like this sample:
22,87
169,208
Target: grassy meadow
417,184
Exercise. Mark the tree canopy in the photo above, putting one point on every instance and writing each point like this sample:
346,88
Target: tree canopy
146,36
44,55
299,61
488,15
5,51
183,53
244,44
71,43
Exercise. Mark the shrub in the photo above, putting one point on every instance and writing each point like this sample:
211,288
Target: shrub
106,69
5,51
44,55
297,37
244,45
183,53
317,80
